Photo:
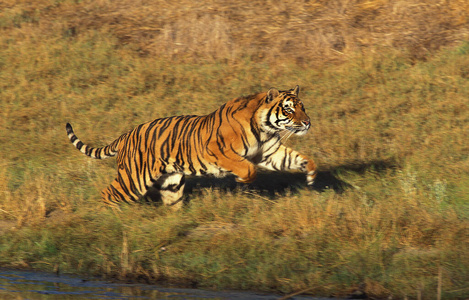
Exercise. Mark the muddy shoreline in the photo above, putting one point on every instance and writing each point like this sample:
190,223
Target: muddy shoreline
31,284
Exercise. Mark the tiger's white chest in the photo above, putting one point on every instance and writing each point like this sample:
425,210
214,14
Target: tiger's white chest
260,150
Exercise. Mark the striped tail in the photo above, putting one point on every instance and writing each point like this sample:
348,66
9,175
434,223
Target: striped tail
99,153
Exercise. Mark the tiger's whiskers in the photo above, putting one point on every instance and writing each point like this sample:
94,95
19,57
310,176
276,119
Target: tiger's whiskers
286,136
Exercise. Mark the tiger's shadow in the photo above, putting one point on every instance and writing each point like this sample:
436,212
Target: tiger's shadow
272,184
267,184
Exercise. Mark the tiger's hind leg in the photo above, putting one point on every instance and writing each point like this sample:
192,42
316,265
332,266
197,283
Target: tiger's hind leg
116,193
171,188
122,190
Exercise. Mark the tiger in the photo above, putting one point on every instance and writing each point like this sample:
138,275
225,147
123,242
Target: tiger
243,133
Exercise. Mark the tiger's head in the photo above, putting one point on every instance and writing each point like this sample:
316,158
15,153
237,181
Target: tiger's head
285,111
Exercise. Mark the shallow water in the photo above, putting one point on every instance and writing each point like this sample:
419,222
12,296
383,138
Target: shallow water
15,284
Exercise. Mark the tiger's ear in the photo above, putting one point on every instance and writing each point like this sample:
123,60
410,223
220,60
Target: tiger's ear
296,90
271,95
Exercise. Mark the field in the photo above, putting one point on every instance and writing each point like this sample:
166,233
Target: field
386,84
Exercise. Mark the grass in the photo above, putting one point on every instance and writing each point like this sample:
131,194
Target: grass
388,216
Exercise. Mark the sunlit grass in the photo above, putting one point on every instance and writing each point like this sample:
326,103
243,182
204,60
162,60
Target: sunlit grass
389,215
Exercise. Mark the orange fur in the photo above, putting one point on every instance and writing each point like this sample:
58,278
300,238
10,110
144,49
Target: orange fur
242,133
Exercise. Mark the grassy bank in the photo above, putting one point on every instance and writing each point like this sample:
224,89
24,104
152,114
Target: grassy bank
389,214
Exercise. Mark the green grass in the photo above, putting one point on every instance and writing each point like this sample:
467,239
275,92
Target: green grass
389,136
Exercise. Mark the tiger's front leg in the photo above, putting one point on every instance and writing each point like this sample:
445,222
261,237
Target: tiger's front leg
288,159
242,168
232,162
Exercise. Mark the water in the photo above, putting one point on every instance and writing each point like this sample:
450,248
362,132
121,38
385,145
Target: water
33,285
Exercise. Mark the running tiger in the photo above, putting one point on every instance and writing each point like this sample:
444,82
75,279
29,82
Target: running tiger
242,133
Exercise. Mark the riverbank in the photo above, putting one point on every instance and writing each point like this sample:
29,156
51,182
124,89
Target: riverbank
47,286
321,242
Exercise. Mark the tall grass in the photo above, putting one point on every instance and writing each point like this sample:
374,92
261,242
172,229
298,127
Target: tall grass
390,213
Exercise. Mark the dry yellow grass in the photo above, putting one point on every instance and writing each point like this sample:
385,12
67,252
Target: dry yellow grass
390,138
310,32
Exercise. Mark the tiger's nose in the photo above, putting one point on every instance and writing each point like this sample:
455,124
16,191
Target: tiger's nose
306,123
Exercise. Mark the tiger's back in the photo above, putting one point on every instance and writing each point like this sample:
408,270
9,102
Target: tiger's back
242,133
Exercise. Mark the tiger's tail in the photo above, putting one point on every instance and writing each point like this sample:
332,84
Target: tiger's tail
99,153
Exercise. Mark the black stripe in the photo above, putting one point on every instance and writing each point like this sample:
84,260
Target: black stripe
69,129
116,194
